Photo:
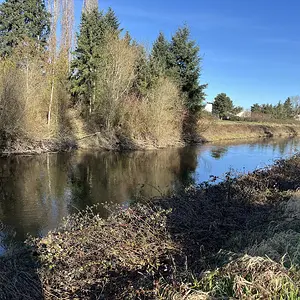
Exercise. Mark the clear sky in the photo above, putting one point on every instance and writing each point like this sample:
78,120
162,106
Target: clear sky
250,48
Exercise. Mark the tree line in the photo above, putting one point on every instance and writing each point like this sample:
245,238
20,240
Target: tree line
223,107
289,109
108,83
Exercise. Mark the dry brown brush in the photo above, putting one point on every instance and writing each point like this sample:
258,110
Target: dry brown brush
25,88
116,258
154,119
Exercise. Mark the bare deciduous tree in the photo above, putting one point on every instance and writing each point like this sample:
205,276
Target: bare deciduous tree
296,104
59,49
90,5
54,10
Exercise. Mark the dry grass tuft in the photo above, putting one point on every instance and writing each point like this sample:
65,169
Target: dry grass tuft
229,130
253,278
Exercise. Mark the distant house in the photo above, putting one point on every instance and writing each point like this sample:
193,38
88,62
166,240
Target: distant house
244,114
208,107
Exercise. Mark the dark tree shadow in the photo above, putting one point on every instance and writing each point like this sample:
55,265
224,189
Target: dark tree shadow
18,274
190,130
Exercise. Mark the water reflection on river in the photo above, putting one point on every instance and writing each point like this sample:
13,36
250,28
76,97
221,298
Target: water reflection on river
36,192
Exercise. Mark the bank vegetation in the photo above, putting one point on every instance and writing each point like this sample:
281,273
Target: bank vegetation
105,91
238,238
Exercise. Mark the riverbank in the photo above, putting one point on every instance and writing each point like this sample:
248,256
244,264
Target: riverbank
239,239
229,130
207,131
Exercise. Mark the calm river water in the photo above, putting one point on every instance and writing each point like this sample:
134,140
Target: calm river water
36,192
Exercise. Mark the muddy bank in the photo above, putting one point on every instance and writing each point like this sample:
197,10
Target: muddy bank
25,146
111,141
115,141
237,239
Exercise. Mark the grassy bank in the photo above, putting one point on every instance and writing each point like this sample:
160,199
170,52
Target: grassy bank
228,130
237,239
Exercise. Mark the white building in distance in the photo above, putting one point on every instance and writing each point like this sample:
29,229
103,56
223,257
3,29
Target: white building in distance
208,107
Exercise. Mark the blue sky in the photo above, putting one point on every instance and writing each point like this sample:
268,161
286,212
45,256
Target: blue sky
250,48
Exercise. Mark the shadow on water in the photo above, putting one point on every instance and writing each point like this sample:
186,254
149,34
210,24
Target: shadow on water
38,191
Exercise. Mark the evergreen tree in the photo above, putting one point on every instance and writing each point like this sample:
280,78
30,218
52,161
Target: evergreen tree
267,109
94,29
144,76
86,57
21,19
111,21
184,65
278,111
256,108
127,37
160,53
222,105
237,109
288,108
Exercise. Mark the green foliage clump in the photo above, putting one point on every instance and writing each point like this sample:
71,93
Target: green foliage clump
280,111
223,106
179,59
108,75
184,64
94,29
20,20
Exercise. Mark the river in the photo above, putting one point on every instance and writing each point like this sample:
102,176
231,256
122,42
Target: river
36,192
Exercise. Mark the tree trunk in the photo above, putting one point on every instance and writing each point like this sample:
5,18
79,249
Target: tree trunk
27,83
51,101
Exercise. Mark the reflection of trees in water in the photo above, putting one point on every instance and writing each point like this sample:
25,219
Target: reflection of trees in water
120,177
282,146
218,152
32,194
187,166
37,192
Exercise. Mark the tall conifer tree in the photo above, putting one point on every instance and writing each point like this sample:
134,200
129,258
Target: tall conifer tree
184,64
21,19
111,21
160,52
87,56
